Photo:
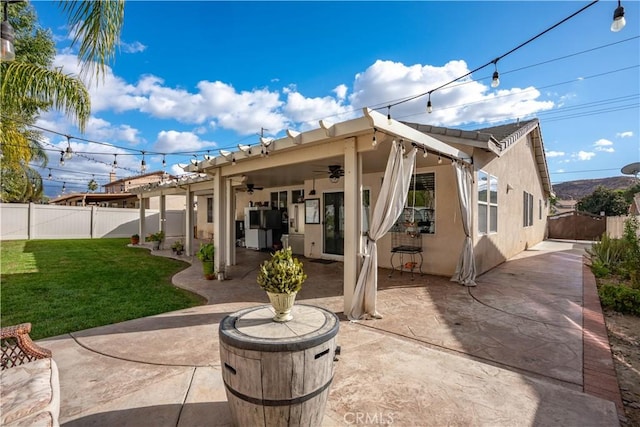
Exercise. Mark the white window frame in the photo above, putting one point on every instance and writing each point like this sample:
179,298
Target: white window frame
488,204
527,209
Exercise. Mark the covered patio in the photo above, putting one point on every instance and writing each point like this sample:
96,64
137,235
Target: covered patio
363,148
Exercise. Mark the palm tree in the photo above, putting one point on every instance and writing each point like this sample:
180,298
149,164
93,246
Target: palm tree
29,85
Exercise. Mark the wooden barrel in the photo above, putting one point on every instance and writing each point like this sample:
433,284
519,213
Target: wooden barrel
278,374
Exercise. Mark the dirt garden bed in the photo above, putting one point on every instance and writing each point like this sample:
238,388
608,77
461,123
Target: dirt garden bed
624,338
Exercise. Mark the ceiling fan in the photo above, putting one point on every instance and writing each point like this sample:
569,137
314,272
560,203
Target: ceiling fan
335,172
251,187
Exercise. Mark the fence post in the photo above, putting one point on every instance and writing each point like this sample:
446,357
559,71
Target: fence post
92,222
31,227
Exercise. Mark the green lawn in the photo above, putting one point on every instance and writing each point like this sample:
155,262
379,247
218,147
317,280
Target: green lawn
63,286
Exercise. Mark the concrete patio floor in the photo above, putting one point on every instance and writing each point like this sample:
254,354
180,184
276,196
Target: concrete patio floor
512,351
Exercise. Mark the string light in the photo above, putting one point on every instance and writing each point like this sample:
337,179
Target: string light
495,80
374,142
439,159
143,164
68,154
62,158
50,177
115,161
164,162
389,114
429,106
618,19
64,187
425,154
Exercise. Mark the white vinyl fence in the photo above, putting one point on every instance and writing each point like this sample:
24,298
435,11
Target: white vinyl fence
31,221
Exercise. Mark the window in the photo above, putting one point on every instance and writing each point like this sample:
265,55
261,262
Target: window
420,206
527,209
540,209
487,203
209,210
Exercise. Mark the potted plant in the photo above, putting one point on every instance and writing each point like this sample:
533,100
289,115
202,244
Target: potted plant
156,238
135,239
282,277
205,254
177,247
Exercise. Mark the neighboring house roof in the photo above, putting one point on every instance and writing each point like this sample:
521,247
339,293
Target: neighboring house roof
89,198
160,174
496,139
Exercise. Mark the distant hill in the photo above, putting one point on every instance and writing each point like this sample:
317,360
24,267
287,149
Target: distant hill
578,189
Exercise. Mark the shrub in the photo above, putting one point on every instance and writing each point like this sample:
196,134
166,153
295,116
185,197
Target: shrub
631,262
282,273
206,252
607,253
620,298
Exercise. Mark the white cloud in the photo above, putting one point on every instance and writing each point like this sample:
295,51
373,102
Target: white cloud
340,91
309,111
134,47
560,171
102,130
172,141
555,153
584,155
627,134
110,93
464,102
218,105
604,145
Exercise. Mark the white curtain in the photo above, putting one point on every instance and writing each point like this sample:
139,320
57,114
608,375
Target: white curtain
466,269
389,206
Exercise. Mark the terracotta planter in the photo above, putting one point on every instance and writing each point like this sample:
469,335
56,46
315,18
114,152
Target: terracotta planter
135,240
282,304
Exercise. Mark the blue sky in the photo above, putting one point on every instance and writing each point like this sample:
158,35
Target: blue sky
197,76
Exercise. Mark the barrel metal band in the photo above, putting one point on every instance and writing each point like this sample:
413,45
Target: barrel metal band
280,402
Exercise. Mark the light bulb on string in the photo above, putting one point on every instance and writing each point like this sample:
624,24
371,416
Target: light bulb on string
143,164
495,79
618,19
164,162
439,159
50,177
115,161
68,153
429,106
62,158
425,154
64,187
374,141
389,114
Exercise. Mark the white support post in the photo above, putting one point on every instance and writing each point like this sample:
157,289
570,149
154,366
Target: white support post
143,219
188,224
163,213
352,215
219,220
230,206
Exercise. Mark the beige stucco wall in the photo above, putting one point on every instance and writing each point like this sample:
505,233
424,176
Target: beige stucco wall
440,250
516,168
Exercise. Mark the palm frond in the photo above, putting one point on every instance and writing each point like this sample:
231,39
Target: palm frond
97,25
65,92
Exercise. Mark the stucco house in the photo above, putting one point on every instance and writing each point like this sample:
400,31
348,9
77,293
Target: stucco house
325,183
117,193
